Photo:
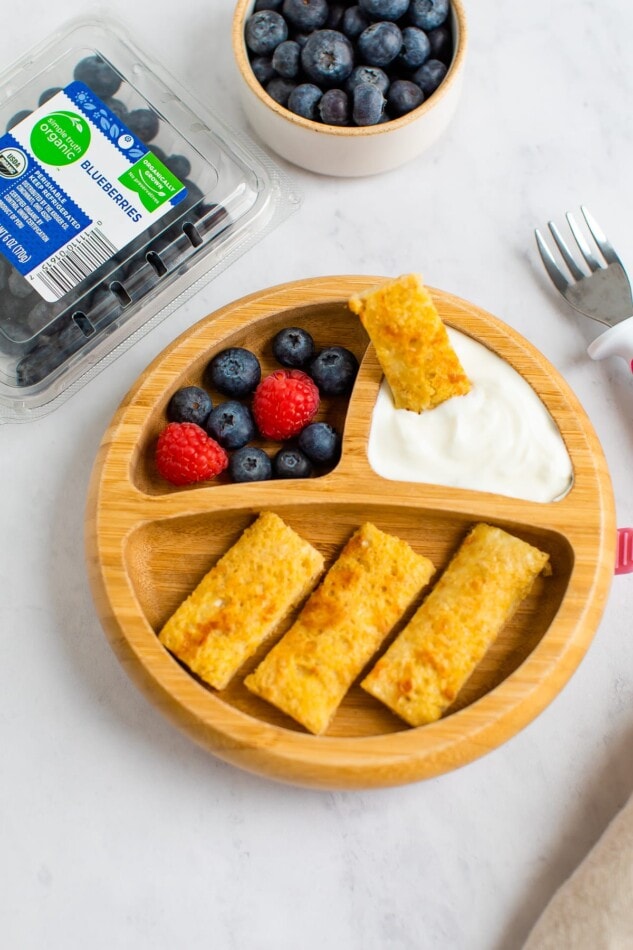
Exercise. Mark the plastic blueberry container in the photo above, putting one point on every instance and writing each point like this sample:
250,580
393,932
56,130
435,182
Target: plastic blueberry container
172,196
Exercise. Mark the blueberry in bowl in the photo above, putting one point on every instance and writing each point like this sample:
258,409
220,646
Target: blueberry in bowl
369,104
264,31
305,15
285,59
327,58
334,107
304,99
350,89
380,44
381,10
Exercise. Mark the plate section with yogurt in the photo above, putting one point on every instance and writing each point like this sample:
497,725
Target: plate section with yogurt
497,438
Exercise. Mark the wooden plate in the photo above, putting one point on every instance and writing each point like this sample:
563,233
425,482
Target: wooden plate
148,545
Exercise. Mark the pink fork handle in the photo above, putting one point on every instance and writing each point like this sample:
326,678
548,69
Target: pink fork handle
624,551
616,341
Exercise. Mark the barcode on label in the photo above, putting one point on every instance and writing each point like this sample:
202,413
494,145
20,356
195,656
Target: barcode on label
76,260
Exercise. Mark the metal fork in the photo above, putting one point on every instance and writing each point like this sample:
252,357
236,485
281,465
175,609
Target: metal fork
604,294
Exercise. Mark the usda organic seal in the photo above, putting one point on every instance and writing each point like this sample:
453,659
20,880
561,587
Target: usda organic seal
13,162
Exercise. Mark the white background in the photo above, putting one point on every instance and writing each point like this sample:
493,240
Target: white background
116,830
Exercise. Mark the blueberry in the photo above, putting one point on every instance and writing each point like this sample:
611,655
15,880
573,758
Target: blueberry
429,76
327,57
163,253
23,319
291,463
190,404
293,347
369,104
213,217
334,370
335,16
231,424
384,9
264,31
18,117
334,107
354,22
250,464
268,5
300,38
102,302
428,14
441,44
321,443
416,47
234,372
159,153
403,96
143,123
286,59
305,15
280,89
52,349
48,94
18,285
38,317
370,74
119,108
32,368
304,100
380,43
194,194
13,314
262,67
98,76
178,165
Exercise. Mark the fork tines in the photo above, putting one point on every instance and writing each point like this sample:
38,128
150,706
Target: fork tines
557,276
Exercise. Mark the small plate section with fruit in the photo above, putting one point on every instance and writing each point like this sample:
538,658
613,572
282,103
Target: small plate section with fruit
153,531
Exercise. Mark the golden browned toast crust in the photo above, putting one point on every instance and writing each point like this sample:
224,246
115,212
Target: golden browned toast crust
423,670
240,602
343,623
411,343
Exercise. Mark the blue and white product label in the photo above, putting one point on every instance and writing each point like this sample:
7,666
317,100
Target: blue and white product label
76,186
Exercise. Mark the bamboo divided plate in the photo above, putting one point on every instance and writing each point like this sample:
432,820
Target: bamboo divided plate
148,545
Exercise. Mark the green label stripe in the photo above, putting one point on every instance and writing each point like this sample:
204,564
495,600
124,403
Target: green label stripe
152,181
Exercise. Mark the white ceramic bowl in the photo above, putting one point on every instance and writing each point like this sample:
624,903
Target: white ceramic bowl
349,151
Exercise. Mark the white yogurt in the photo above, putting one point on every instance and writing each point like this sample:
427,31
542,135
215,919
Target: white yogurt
498,438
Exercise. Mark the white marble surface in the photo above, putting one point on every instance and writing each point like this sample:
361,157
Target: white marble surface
117,831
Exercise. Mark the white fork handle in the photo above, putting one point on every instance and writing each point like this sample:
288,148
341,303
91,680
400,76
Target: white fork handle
616,341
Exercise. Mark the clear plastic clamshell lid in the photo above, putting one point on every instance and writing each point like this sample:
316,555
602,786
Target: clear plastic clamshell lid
118,195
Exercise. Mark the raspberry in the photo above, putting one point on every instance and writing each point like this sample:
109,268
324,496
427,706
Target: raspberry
186,454
284,403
